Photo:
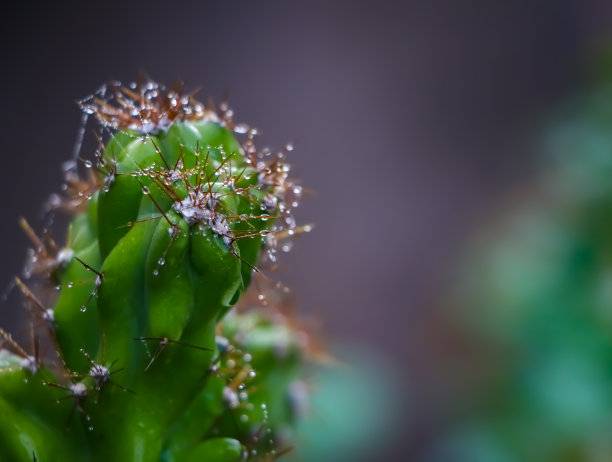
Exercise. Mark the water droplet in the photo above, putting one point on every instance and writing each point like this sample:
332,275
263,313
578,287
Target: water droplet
252,374
263,406
241,128
261,297
161,261
244,418
247,358
70,285
90,428
83,309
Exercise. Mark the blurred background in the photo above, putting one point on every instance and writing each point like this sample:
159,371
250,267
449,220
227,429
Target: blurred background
458,158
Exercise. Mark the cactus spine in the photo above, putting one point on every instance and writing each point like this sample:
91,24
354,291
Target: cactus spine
173,218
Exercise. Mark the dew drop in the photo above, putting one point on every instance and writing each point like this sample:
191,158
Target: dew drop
161,261
241,128
244,418
155,272
83,309
252,374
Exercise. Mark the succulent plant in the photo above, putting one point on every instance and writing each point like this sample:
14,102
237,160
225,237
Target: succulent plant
134,356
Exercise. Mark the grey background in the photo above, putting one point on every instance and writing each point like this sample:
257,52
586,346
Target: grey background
410,121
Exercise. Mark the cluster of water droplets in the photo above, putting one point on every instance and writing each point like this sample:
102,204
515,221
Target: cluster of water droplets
234,367
146,107
281,195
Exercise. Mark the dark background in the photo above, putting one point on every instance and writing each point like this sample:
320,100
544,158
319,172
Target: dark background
410,122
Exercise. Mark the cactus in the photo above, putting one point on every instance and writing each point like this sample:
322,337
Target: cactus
137,360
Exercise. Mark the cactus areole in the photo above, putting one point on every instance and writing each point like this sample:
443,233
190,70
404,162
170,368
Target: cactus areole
129,360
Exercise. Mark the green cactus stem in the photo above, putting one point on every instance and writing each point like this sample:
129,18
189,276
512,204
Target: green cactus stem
173,217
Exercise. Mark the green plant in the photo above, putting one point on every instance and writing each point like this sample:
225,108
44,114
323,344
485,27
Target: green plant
136,360
535,299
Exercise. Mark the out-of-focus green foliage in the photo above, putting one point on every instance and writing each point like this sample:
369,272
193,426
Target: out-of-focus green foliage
536,299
